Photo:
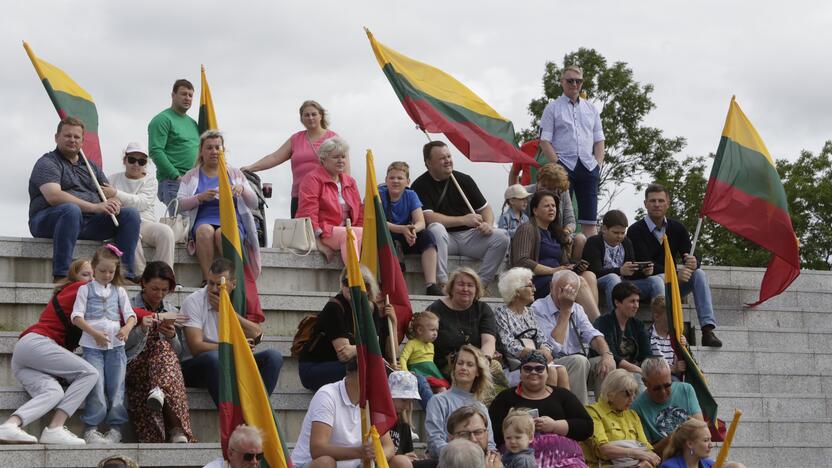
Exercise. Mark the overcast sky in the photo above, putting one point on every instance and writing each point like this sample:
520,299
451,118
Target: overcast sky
265,58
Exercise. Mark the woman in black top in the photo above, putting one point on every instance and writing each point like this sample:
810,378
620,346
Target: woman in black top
625,334
322,359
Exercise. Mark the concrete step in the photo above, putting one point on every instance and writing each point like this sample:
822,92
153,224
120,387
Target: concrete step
780,455
170,455
763,361
789,339
783,406
788,381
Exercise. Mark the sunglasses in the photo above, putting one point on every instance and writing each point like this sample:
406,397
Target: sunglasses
656,388
534,369
252,456
574,81
139,161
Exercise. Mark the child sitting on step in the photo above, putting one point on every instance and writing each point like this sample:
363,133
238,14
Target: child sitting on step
417,355
102,310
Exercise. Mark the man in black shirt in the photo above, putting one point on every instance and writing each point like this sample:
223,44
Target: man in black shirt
457,230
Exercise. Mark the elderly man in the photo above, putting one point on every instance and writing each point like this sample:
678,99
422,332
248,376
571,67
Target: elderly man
572,336
664,404
571,134
64,203
647,238
245,449
456,229
469,423
200,365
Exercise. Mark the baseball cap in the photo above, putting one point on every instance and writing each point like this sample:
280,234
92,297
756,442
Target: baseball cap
516,191
403,385
135,147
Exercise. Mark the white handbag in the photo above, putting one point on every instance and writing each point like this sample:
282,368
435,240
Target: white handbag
295,235
176,221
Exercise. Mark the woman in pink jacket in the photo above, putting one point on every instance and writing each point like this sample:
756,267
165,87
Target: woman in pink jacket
329,197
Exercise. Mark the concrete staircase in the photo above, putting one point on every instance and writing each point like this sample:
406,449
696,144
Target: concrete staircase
774,365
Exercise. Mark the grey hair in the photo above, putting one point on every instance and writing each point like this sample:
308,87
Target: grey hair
370,283
244,433
333,145
573,278
653,365
512,280
573,68
461,453
617,381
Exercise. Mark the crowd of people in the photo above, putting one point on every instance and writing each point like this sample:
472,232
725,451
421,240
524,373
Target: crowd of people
510,385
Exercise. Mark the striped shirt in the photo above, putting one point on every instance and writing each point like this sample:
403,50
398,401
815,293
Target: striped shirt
660,345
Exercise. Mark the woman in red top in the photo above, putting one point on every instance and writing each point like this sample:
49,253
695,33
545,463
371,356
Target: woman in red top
41,356
329,197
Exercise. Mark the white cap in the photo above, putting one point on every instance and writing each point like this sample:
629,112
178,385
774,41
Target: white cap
135,147
516,191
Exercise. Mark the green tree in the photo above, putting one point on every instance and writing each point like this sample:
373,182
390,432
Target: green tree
632,148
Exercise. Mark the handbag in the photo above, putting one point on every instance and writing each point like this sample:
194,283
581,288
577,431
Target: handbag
295,235
177,222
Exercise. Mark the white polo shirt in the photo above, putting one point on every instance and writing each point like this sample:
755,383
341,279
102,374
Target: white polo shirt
331,405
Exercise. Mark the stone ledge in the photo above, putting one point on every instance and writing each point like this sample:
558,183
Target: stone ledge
174,455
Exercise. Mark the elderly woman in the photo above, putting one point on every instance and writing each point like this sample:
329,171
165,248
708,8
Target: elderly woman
561,420
302,148
42,355
690,446
518,330
199,198
323,358
618,436
470,384
464,319
136,189
329,197
625,334
553,177
540,245
156,397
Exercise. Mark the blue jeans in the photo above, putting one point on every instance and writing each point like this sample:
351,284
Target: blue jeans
167,191
698,284
651,286
584,184
203,371
314,375
65,224
424,391
106,399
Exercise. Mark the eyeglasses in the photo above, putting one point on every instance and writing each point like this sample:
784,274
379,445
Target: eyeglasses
656,388
530,285
573,81
468,434
139,161
534,369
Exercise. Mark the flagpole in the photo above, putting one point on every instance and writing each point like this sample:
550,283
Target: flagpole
696,236
394,336
97,185
453,179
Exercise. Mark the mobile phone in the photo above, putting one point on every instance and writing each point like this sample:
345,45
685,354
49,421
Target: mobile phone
643,265
534,413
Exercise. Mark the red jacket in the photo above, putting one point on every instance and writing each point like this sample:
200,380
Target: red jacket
318,200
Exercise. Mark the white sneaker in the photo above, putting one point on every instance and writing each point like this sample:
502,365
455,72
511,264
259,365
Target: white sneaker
92,436
177,436
11,433
156,399
60,436
113,436
414,436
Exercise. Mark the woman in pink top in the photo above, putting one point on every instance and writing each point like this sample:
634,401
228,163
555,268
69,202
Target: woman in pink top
301,148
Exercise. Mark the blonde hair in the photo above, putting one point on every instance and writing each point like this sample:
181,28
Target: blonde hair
72,274
482,385
573,68
104,253
520,420
617,381
370,282
207,135
658,304
684,433
319,108
554,177
419,319
449,288
399,166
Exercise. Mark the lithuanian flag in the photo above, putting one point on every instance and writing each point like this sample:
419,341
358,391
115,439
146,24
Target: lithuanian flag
438,103
746,196
378,254
70,100
246,299
243,396
693,375
375,393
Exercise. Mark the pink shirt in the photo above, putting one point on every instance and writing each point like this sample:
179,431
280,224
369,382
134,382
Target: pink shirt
305,156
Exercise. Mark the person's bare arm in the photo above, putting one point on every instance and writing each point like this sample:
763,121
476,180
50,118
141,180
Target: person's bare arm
598,152
488,344
276,158
417,217
320,446
250,329
196,342
470,220
514,175
53,194
549,151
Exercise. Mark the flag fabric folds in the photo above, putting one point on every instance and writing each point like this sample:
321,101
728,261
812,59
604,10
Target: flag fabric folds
243,396
693,375
245,299
438,103
746,196
378,253
70,99
375,392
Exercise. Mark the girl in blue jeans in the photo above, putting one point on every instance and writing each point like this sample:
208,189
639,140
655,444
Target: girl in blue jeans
102,310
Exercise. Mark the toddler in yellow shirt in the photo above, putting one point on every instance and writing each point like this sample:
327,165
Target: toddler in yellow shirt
417,355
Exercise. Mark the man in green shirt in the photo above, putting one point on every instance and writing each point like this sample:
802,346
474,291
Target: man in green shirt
173,139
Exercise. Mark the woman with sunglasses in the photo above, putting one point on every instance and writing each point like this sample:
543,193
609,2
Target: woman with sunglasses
618,437
137,189
560,421
517,328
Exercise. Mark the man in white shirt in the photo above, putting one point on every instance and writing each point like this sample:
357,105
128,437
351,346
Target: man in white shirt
200,364
245,449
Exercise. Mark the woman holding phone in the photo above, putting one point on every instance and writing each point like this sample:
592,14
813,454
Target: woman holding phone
156,397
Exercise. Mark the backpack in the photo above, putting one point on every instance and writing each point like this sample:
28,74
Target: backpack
306,338
259,213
